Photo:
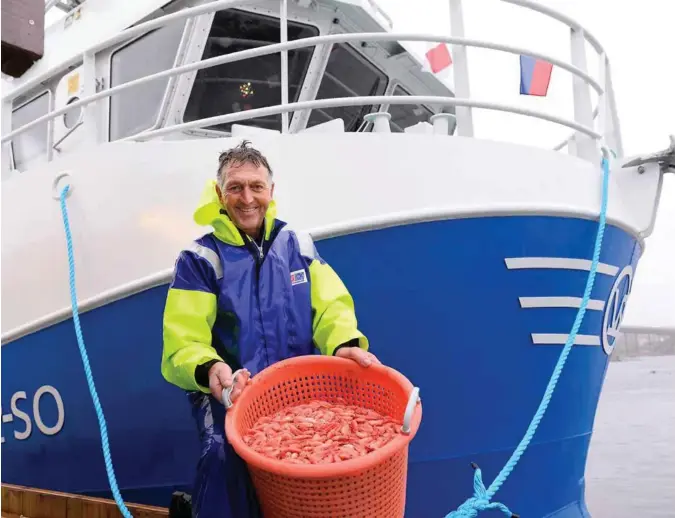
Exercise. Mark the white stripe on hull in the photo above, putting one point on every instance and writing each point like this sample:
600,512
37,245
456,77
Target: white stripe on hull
563,263
561,339
560,302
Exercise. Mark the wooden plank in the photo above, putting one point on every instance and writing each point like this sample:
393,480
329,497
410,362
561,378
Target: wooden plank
74,508
39,503
12,499
95,509
44,505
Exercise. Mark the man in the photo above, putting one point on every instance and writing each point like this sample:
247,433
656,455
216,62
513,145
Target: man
246,295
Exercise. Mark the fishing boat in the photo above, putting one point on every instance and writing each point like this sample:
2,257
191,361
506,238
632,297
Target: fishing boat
468,259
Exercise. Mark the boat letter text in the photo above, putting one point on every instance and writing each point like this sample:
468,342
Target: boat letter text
26,413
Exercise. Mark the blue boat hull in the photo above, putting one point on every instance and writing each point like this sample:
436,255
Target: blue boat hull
439,304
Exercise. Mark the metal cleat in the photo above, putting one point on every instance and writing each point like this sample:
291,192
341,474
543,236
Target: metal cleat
665,158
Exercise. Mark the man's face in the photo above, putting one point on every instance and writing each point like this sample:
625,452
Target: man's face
246,195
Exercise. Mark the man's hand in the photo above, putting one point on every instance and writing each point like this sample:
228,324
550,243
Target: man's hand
363,358
220,377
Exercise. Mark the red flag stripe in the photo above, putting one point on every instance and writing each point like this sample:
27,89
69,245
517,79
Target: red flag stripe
438,57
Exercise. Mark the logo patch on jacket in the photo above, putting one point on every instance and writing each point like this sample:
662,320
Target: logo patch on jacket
298,277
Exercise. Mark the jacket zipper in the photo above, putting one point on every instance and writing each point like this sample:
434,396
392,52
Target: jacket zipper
258,256
262,320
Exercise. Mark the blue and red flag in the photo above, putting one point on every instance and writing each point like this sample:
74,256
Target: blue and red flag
535,76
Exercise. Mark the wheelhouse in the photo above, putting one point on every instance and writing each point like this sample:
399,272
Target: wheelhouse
314,72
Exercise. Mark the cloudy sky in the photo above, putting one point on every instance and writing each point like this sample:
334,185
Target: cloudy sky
636,36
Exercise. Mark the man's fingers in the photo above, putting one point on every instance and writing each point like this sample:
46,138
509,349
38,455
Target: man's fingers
236,392
223,374
225,378
216,388
363,358
220,377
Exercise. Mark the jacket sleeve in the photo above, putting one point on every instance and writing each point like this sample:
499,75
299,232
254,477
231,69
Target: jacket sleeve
334,318
189,315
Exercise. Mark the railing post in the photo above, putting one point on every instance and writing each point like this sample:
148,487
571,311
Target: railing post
284,65
602,98
460,70
50,129
311,86
5,129
584,146
613,127
90,117
442,123
380,121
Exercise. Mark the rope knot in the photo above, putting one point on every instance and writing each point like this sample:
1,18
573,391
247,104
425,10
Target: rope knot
480,501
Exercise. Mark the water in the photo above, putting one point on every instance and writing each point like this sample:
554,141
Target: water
631,464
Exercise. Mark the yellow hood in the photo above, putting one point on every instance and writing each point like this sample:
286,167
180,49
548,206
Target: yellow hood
208,212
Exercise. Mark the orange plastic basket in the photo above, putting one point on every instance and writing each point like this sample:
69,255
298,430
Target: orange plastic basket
371,486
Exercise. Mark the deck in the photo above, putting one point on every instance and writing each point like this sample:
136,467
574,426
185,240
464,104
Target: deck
26,502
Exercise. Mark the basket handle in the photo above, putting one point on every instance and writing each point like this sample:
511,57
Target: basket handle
226,397
410,408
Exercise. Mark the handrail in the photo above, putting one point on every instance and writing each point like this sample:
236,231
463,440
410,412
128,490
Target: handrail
218,5
291,45
552,13
361,101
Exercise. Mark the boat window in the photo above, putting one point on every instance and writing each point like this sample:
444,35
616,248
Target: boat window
251,83
405,115
137,109
348,74
32,143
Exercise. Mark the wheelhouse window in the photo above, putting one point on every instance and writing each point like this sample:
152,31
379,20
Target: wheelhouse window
405,115
30,144
138,108
251,83
348,74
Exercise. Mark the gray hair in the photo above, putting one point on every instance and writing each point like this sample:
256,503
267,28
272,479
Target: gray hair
239,155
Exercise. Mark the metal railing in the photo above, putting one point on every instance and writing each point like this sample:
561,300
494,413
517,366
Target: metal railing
566,20
362,101
292,45
583,142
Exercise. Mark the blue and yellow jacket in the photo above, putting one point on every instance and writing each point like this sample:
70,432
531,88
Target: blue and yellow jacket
230,300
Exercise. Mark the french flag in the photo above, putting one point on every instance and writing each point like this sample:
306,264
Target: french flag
535,76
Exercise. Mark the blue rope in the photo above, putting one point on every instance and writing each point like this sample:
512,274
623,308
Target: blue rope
480,501
85,360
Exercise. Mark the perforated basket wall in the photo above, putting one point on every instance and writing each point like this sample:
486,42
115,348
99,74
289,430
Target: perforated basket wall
374,485
378,492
